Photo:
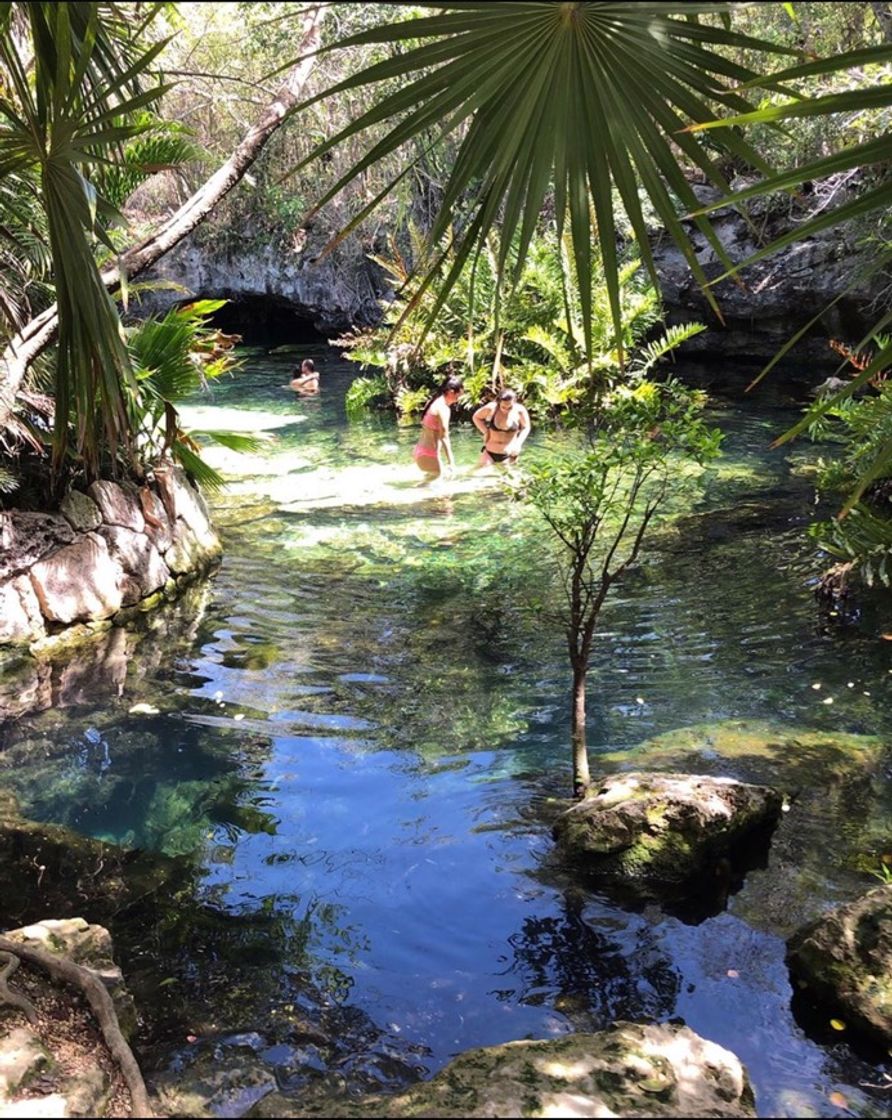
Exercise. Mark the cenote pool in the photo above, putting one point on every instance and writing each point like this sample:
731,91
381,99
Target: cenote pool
343,752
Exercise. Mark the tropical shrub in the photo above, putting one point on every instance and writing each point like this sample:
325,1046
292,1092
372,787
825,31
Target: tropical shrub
529,335
857,478
77,80
173,358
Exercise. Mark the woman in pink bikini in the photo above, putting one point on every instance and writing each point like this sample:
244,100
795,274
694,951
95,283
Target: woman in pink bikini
435,430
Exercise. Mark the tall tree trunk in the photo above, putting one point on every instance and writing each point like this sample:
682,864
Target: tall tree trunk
39,333
581,776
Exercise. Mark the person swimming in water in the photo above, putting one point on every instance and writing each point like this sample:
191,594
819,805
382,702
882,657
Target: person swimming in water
504,424
307,381
434,437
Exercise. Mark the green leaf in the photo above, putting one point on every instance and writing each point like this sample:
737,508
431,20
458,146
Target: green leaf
581,96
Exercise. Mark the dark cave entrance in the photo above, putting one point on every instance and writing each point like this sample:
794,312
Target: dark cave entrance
266,320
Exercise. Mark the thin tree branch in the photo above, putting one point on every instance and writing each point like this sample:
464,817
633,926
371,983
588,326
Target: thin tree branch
219,78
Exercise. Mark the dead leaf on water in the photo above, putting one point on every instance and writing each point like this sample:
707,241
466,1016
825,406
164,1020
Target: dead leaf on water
837,1024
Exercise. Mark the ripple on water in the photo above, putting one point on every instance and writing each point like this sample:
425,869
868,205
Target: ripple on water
371,839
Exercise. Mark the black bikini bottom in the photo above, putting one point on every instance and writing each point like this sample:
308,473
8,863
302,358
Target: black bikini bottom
498,457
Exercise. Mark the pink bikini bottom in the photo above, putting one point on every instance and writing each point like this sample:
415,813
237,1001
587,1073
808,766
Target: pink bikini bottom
420,452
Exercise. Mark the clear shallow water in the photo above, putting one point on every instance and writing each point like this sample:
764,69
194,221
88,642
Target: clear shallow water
353,744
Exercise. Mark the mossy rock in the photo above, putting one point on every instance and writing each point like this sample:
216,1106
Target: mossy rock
630,1069
755,751
845,960
664,830
837,807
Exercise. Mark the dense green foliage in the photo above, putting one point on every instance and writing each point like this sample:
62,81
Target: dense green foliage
529,335
407,126
173,357
82,96
858,478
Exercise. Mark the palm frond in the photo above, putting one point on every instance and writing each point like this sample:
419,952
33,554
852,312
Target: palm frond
86,71
581,97
204,475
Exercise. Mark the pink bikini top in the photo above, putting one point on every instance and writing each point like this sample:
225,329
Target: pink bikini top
430,422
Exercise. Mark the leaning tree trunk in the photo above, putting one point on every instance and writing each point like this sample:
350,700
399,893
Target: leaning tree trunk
581,777
39,333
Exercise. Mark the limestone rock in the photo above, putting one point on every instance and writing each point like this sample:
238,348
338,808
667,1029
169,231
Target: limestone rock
187,556
158,523
61,1067
27,537
79,582
81,512
22,1058
225,1084
662,828
628,1070
334,291
184,502
778,294
845,958
138,558
118,506
20,617
87,945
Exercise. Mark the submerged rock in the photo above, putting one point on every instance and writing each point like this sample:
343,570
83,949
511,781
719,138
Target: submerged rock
845,958
46,866
630,1069
836,784
663,829
755,751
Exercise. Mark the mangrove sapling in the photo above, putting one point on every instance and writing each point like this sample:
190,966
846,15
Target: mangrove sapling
600,503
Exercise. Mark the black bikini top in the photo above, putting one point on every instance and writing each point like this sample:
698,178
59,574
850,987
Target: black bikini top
491,423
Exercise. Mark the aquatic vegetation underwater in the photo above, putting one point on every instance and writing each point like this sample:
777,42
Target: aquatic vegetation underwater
351,753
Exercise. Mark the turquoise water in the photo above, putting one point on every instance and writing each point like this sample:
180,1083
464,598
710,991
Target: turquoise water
353,738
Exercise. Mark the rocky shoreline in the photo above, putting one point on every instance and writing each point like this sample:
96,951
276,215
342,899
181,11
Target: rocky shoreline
103,559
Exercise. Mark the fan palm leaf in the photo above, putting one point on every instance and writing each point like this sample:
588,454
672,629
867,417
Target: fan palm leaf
876,152
577,98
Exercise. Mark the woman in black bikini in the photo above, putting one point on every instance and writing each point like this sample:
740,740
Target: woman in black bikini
504,424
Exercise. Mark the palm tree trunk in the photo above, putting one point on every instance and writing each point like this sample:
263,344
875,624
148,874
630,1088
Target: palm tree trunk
39,333
581,776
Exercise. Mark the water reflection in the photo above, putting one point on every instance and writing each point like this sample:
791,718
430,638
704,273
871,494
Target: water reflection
347,749
592,967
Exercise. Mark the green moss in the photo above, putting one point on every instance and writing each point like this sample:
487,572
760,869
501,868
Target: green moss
754,750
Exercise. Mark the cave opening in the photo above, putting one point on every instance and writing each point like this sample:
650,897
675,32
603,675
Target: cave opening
266,320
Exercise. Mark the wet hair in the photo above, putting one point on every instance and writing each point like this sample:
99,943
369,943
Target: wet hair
451,384
307,363
507,395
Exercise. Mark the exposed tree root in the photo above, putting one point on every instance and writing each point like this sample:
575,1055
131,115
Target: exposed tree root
100,1001
14,999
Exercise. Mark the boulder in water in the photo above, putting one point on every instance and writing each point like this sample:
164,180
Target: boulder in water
845,959
664,830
